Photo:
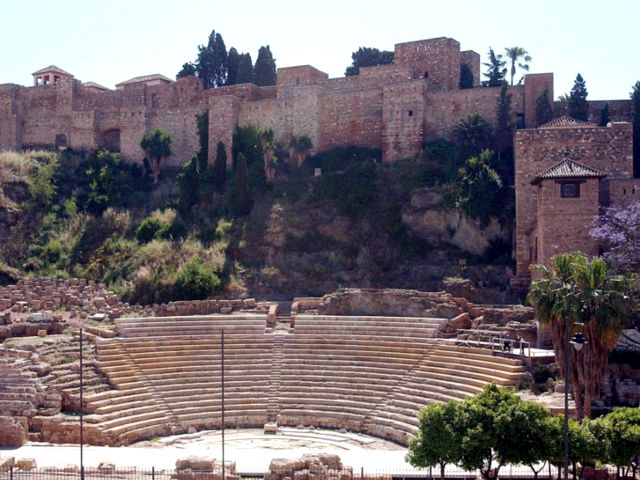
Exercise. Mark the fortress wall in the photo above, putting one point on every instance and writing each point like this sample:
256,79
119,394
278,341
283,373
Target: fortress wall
133,125
306,111
8,118
608,149
623,191
437,59
534,85
472,59
445,110
270,113
619,110
351,118
181,124
403,112
224,112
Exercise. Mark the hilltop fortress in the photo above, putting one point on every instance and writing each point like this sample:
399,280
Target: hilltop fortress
393,108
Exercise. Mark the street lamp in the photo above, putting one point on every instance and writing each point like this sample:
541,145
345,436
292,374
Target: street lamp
578,341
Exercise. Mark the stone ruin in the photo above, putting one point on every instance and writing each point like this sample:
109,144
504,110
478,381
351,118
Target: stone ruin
309,467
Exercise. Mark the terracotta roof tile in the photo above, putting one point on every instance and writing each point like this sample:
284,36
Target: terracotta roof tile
568,169
52,68
567,122
145,78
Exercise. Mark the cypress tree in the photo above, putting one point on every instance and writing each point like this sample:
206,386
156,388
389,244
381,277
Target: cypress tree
242,197
212,62
466,76
496,70
245,69
189,185
265,68
233,61
604,116
219,175
578,105
544,110
635,114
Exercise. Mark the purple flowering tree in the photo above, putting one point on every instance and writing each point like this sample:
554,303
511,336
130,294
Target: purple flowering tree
618,230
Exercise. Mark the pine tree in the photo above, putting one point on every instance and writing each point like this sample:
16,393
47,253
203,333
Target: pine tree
219,174
495,70
188,70
242,197
212,62
466,76
544,110
604,116
265,68
233,61
578,105
245,69
635,114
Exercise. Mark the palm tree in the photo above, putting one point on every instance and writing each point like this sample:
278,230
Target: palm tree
574,291
515,54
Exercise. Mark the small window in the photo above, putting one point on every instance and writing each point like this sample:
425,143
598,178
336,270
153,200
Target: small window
426,74
410,113
154,100
570,190
298,82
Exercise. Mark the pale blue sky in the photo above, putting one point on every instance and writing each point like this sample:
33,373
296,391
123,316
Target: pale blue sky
111,41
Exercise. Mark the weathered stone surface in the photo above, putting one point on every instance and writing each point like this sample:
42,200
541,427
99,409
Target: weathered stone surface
13,431
26,464
193,462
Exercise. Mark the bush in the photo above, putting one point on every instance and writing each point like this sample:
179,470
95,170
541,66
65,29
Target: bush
196,280
149,229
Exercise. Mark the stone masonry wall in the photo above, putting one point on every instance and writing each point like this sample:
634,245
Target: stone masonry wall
607,149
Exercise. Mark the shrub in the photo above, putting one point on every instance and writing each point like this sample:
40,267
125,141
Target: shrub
149,229
196,280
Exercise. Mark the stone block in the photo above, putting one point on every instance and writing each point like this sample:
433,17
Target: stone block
26,464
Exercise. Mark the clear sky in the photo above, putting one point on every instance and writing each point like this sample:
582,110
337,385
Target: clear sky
111,41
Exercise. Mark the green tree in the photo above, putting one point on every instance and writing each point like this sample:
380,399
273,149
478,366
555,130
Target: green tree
520,57
157,145
242,194
621,430
575,290
219,176
578,105
585,448
202,125
635,115
104,181
439,437
466,76
212,60
544,109
233,62
245,69
265,68
605,118
196,280
495,70
368,57
504,130
188,70
189,185
473,135
478,187
42,184
250,141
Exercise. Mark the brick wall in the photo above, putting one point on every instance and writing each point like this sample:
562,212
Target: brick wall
436,59
607,149
534,85
472,59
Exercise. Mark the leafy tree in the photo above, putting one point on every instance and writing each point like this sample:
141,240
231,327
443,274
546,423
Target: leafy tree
466,76
265,68
219,176
575,290
504,126
212,60
621,430
578,105
605,118
105,182
157,145
189,184
585,448
42,184
618,230
544,109
439,437
233,62
149,229
242,194
245,69
368,57
635,115
534,433
495,70
189,69
196,280
478,187
251,141
473,135
514,54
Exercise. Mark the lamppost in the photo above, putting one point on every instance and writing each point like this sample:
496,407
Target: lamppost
578,341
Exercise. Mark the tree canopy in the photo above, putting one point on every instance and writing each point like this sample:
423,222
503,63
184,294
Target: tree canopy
578,105
618,231
157,145
212,62
544,109
519,57
478,188
496,70
265,68
466,76
368,57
